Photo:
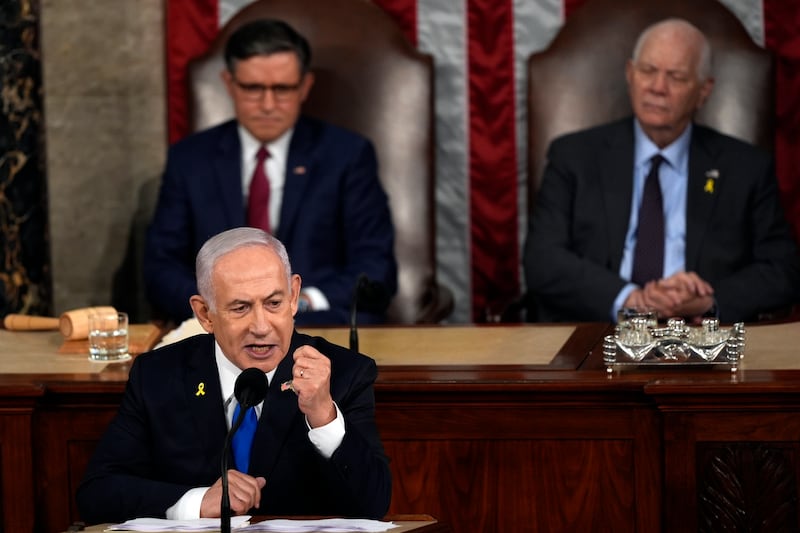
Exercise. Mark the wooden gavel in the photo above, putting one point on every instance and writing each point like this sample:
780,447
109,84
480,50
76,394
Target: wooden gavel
72,324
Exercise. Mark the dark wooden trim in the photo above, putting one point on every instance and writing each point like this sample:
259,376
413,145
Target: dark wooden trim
556,447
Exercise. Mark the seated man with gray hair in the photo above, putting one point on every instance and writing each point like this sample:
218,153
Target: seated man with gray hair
655,211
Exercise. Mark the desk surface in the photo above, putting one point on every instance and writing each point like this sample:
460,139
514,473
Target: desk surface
419,524
455,345
452,346
772,347
455,352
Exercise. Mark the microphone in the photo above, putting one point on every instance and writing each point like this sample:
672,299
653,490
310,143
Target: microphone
369,296
249,390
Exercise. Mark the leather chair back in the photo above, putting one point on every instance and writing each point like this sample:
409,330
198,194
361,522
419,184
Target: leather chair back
579,81
370,79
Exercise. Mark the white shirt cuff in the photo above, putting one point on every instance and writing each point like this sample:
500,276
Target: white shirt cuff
619,302
188,507
328,437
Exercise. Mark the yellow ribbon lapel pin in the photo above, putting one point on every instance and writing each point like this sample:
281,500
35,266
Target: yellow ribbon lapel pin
711,180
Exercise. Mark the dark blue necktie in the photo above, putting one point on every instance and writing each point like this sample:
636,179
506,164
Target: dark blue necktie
648,254
243,438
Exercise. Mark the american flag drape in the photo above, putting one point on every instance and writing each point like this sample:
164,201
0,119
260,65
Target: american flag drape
480,48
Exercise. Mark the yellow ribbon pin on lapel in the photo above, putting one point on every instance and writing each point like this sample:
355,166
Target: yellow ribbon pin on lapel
201,389
711,178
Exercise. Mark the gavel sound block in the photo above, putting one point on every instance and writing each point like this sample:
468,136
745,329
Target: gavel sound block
73,324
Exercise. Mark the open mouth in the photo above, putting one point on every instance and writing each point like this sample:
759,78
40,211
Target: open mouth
259,350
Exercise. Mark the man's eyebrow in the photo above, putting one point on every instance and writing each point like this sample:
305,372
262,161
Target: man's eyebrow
238,301
273,294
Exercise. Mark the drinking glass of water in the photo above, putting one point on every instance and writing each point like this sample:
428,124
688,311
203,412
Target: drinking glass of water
108,336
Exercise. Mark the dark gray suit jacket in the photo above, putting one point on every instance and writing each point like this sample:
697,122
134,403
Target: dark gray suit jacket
168,438
737,237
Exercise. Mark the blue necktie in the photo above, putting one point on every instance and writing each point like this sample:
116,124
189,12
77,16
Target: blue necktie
243,438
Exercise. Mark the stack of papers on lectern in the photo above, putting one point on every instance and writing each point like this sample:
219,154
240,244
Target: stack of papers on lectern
160,524
240,524
326,525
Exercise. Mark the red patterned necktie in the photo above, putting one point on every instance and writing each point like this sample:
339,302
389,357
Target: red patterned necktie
648,254
258,201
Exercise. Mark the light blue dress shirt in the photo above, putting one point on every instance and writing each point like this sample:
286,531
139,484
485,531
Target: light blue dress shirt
673,179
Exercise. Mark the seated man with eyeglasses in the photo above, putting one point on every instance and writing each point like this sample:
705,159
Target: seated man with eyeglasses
311,184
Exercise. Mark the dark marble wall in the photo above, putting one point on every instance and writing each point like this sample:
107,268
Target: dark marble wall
25,285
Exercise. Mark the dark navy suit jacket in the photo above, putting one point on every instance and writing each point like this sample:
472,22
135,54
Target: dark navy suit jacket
167,438
335,220
737,237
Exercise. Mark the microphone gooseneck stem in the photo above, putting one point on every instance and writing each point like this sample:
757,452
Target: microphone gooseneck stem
249,390
225,513
362,280
353,335
225,501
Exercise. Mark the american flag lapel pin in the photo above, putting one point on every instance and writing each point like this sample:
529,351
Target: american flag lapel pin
300,170
711,179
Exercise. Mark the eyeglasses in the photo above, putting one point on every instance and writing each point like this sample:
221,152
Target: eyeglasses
256,91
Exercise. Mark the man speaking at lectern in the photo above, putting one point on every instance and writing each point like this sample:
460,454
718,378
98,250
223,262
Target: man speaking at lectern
315,449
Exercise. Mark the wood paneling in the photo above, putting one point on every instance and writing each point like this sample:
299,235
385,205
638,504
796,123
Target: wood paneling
65,439
495,447
17,506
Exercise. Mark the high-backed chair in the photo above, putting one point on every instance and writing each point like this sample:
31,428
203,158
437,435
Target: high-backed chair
370,79
579,80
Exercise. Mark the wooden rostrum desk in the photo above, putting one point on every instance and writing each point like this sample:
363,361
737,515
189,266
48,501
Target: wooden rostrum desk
489,428
402,523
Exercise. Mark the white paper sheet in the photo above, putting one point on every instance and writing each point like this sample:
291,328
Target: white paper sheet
343,525
160,524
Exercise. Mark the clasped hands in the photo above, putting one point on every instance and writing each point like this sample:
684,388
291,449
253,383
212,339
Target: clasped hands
684,294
